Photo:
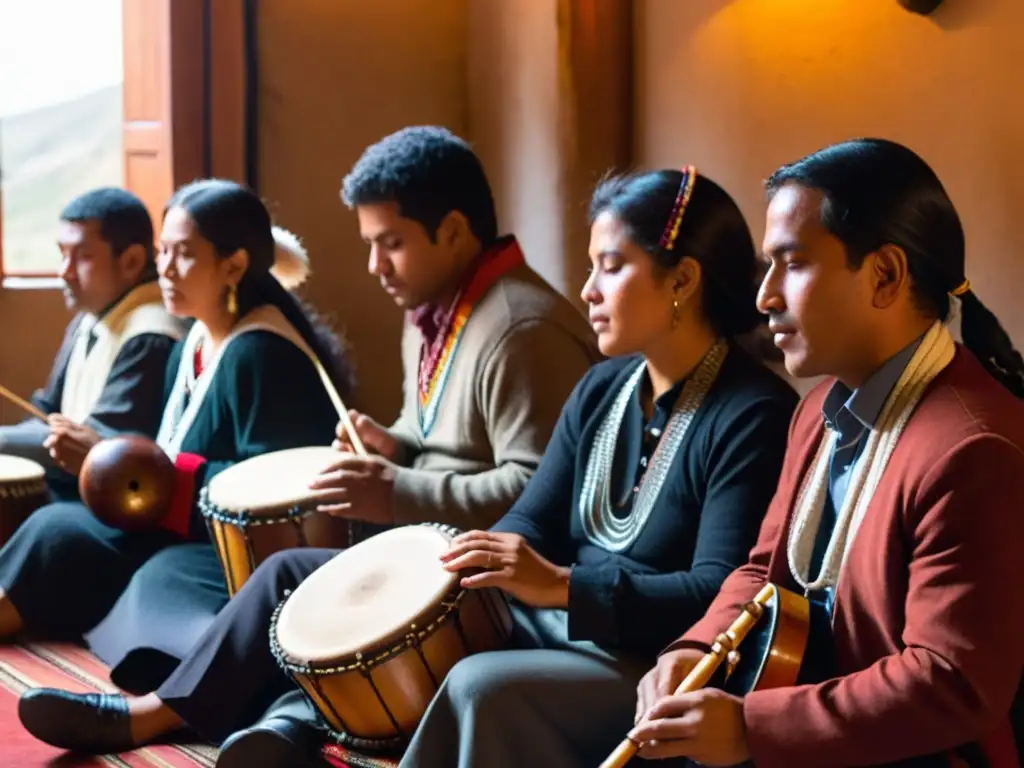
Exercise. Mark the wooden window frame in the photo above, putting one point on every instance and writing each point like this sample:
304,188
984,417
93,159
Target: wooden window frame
185,115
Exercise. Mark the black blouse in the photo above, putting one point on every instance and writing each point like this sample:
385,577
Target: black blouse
264,396
636,444
704,521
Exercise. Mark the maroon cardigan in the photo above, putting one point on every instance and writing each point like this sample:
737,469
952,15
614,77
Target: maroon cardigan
929,609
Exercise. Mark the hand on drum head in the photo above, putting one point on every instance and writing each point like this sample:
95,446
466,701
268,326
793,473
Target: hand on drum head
375,437
510,564
358,488
69,443
706,726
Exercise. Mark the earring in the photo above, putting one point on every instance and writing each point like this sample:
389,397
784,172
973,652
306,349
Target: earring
233,299
675,311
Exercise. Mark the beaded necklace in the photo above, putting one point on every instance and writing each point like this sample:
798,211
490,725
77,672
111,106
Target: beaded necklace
600,523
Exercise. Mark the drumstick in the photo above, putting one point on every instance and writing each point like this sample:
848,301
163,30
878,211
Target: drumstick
339,406
706,667
25,405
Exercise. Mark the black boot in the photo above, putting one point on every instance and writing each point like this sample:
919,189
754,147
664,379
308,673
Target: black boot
283,738
96,723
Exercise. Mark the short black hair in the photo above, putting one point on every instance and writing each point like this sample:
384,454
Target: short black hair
429,172
712,231
122,217
877,192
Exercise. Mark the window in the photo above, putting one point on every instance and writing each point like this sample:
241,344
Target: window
61,119
125,93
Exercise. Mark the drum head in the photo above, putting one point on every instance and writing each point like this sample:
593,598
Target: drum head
269,483
367,597
14,469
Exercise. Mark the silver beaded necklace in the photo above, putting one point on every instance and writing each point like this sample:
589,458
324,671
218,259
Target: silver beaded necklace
600,524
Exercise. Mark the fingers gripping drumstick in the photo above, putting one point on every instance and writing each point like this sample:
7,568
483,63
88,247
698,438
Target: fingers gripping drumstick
706,667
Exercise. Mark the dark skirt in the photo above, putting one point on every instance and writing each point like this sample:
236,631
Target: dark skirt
140,599
168,605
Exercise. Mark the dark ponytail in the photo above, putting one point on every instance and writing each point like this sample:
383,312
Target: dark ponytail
985,337
877,193
314,330
233,217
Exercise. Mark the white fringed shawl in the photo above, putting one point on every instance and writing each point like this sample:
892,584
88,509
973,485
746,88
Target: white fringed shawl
140,311
181,409
932,356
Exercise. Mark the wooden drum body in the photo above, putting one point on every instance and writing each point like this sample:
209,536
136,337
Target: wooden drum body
263,505
371,635
22,491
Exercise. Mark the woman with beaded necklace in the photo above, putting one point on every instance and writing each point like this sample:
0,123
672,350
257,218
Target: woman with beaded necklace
651,490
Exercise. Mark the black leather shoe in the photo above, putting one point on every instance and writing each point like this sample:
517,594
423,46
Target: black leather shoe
276,742
97,723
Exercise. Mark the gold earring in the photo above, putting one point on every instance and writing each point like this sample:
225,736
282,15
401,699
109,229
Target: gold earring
233,299
675,311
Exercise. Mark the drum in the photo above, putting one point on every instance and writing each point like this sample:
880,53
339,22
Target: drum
22,491
263,505
371,634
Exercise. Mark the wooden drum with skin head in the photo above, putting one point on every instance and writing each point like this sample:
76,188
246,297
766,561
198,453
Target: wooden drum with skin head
371,635
22,491
263,505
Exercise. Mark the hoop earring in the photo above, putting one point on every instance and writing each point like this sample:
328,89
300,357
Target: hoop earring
232,299
675,312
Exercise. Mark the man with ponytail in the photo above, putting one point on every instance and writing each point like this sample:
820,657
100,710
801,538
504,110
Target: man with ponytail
898,509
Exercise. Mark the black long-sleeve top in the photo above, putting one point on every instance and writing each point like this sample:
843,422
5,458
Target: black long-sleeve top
704,521
131,400
132,396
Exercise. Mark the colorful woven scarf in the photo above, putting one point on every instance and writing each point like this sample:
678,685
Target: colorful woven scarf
436,358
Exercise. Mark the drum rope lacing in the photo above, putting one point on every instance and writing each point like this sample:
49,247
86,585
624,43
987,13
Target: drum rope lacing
601,526
409,640
22,488
243,517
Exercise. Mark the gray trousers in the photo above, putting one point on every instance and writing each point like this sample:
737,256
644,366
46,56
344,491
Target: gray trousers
552,702
26,440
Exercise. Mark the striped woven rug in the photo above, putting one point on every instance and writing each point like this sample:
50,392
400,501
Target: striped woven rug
68,666
58,665
338,756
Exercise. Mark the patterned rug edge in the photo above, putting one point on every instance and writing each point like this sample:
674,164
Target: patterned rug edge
17,681
339,756
57,660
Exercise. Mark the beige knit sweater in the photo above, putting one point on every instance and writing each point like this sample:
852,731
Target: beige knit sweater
522,352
